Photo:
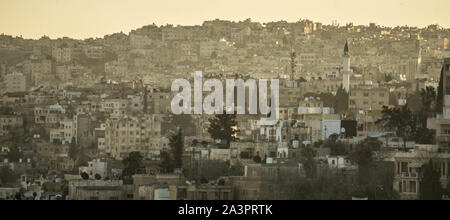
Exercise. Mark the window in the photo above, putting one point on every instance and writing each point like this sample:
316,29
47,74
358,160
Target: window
412,187
404,167
225,196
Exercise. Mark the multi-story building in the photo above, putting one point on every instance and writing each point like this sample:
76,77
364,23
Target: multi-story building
9,123
96,169
94,52
38,69
133,134
368,99
15,82
115,107
45,150
49,115
409,167
96,190
441,123
62,55
209,192
65,133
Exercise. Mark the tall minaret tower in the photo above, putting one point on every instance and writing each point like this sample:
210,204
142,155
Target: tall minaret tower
346,69
419,54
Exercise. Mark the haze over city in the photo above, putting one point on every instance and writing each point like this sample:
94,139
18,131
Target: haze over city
84,18
170,100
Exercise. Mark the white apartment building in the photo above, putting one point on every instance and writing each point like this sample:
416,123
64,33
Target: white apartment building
96,167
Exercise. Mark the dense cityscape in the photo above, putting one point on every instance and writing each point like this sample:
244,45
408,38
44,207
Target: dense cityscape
364,114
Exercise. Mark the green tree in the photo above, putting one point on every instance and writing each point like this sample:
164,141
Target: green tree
325,186
14,155
363,157
132,164
422,134
176,145
7,176
308,154
173,159
81,159
388,78
222,127
440,93
428,96
430,187
341,100
336,146
401,120
166,165
74,149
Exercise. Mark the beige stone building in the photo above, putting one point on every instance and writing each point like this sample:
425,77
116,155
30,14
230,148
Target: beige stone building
48,115
64,133
8,123
133,134
368,99
38,69
96,190
409,169
15,82
99,193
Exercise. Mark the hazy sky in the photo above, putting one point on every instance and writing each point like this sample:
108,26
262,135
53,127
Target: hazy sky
95,18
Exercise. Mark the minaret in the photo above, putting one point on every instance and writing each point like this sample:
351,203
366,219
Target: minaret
346,69
419,54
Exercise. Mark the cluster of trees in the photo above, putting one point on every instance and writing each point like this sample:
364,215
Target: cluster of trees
172,159
133,164
410,121
7,176
339,101
14,154
373,179
222,127
430,187
335,145
77,154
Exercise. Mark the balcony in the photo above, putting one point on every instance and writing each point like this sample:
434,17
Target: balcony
411,175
